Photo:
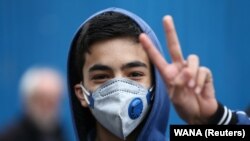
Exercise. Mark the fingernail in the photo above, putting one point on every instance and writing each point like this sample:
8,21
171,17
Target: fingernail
197,90
167,17
191,83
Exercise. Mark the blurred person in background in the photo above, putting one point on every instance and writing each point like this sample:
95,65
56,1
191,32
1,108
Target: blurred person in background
41,91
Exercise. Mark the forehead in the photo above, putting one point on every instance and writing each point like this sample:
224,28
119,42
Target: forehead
115,52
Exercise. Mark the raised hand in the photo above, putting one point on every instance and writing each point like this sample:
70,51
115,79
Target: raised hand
190,86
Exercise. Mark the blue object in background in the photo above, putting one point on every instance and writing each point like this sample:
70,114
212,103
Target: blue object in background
36,32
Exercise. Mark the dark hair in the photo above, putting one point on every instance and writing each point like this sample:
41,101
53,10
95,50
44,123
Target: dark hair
102,27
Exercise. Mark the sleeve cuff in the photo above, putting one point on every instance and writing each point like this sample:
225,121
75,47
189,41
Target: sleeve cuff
223,116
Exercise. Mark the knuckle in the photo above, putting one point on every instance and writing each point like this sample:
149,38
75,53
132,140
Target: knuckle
188,72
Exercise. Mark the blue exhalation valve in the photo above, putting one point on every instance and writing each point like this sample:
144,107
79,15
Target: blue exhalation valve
135,108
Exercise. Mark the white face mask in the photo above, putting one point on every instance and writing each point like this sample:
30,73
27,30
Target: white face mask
119,105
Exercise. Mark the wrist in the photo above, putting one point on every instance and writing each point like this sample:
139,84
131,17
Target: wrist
223,116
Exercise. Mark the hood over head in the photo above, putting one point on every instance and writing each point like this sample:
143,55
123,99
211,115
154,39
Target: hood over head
154,128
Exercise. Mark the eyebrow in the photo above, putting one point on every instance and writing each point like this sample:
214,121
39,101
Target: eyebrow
134,64
99,67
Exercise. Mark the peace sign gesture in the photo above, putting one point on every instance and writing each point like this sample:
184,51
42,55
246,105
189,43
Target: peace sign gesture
190,86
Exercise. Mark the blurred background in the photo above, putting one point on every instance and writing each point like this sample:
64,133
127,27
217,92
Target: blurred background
39,32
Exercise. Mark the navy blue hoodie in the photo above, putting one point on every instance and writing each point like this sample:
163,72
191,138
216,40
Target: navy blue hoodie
154,127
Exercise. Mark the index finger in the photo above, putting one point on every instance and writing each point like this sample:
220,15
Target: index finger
172,40
167,71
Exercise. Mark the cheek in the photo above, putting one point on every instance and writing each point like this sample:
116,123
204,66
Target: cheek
87,83
146,80
85,76
152,75
149,79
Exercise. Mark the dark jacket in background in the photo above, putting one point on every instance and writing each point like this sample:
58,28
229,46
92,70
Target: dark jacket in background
26,130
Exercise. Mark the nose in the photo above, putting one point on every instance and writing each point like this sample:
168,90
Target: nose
119,74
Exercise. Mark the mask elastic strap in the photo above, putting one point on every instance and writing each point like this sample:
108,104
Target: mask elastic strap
150,95
151,89
87,96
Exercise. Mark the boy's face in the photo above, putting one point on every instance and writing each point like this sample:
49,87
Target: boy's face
115,58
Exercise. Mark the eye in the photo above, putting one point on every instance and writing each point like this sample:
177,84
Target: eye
100,77
136,74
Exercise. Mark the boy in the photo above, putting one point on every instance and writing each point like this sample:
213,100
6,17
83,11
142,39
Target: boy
120,84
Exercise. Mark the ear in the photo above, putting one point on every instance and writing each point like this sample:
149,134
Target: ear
79,94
